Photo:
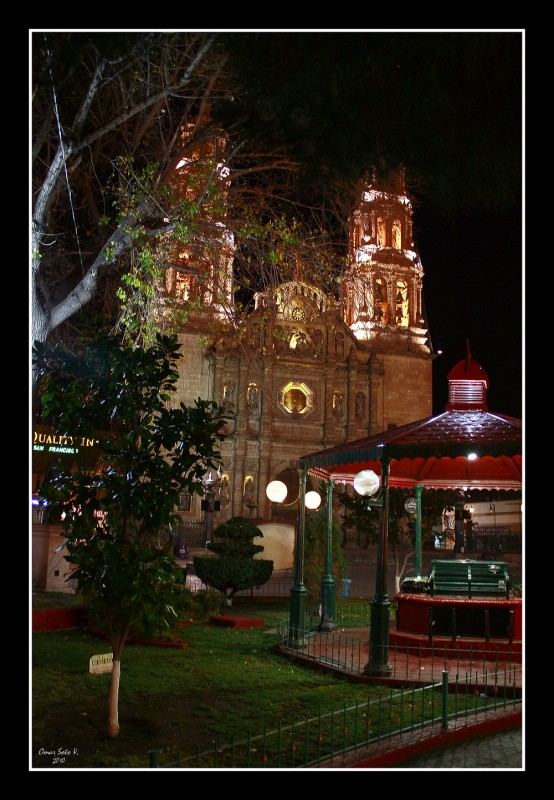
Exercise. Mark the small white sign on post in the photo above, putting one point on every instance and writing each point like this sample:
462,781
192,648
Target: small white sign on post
100,663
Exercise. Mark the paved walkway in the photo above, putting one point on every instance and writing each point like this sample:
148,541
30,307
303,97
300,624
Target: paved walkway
500,751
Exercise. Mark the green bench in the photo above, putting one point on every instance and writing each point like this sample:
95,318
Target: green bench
468,578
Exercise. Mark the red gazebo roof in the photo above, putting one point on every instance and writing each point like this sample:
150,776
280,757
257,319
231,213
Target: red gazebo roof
434,451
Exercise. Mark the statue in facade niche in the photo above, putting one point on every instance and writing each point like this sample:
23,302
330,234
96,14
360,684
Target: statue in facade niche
248,497
228,397
252,397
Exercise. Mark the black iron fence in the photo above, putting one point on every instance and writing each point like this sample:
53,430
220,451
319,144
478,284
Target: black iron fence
485,664
493,540
489,540
396,716
190,533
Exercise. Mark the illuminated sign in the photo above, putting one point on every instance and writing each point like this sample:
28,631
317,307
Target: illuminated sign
54,443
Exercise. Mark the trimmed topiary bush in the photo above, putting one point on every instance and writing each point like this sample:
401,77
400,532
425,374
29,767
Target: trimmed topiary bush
233,568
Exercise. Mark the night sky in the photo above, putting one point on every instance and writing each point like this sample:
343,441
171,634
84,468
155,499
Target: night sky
449,106
473,290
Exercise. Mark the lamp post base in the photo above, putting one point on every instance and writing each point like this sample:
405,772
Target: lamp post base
297,635
327,623
379,639
377,669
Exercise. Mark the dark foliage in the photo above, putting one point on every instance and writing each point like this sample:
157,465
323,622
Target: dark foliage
234,567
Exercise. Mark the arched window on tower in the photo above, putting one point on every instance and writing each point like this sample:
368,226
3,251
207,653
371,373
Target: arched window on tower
397,234
381,306
182,287
401,303
357,230
381,232
367,227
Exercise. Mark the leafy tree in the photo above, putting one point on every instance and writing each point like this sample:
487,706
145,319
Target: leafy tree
234,568
315,537
401,538
115,115
356,517
151,451
97,97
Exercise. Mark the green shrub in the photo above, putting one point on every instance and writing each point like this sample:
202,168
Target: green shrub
196,607
232,575
315,551
234,568
208,602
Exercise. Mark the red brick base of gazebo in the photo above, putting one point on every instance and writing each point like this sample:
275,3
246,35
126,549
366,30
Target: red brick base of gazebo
488,628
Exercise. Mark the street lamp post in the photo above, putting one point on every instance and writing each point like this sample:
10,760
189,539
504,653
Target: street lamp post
277,492
366,483
328,582
418,559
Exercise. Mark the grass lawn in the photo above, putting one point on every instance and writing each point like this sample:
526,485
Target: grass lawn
225,683
224,687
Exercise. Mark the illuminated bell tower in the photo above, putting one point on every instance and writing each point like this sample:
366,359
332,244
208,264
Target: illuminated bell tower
198,279
200,273
381,291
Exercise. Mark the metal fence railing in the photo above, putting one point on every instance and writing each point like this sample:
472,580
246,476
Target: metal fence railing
396,714
274,589
487,665
191,533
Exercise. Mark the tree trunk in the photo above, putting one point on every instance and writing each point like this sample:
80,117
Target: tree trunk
40,328
113,702
113,714
400,570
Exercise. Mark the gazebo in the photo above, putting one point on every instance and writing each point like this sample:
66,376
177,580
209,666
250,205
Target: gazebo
466,447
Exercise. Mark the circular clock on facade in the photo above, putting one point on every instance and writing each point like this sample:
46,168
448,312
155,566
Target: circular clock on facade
298,314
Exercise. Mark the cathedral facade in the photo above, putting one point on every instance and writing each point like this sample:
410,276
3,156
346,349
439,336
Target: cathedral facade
311,370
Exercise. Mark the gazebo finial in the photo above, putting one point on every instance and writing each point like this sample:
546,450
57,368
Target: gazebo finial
467,385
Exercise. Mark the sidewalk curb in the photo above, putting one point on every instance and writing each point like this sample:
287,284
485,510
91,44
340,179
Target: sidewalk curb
385,755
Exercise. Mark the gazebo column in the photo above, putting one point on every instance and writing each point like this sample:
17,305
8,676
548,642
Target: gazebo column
328,583
418,492
459,524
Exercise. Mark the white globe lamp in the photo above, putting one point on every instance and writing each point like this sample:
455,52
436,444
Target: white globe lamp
276,491
366,483
411,505
312,500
